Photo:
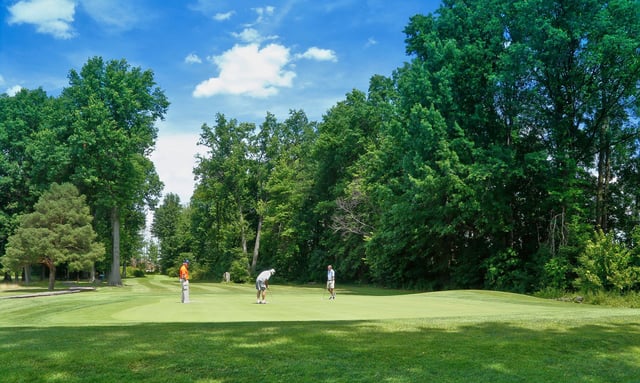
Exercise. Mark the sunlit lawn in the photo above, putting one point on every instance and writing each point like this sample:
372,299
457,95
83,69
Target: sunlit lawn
141,333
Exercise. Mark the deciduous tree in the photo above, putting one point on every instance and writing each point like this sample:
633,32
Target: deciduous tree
113,109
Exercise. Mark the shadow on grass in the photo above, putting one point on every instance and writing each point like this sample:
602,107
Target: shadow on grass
321,352
360,290
22,290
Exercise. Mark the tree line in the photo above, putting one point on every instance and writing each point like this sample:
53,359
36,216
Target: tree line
504,154
96,136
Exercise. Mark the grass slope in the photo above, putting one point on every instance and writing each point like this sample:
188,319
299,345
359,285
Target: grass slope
142,333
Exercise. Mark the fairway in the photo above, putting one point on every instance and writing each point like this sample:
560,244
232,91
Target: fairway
156,299
142,333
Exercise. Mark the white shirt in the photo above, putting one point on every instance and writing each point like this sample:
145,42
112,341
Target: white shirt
264,276
331,275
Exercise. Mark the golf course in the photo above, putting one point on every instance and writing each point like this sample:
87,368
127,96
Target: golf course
142,333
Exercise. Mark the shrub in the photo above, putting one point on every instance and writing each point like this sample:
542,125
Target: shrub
605,265
239,272
555,273
507,272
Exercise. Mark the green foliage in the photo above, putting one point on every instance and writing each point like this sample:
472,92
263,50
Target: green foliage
552,293
484,161
32,153
222,200
113,108
606,265
505,271
630,299
635,245
166,228
239,269
58,232
251,191
137,273
556,271
173,271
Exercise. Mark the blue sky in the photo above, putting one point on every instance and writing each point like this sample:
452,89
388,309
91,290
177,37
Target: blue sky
239,58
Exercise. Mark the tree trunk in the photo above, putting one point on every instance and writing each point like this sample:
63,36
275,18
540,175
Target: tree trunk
604,175
114,276
256,247
52,275
243,234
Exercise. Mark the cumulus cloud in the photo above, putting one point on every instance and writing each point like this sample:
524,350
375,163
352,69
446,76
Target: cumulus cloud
13,90
174,160
223,16
319,54
249,70
193,59
52,17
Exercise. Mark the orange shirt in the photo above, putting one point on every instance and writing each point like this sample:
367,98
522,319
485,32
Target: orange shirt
184,272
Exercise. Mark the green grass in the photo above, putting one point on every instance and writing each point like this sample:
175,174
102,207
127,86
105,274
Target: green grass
141,333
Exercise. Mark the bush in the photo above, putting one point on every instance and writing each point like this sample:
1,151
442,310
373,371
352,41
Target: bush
239,272
612,299
507,272
551,293
606,265
134,272
173,271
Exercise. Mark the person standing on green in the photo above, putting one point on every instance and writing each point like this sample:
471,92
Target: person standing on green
184,281
331,282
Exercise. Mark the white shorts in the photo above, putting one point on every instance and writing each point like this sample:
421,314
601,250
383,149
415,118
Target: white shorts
331,284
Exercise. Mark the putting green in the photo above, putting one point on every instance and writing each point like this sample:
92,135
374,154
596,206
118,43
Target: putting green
156,299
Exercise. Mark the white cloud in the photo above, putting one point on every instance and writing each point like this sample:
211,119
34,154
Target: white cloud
52,17
223,16
249,70
250,35
174,160
370,42
319,54
13,90
118,14
193,58
1,80
263,12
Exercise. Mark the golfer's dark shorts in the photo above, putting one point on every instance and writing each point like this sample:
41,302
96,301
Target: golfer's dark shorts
260,285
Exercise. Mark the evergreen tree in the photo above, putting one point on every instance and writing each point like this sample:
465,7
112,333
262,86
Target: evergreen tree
57,232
